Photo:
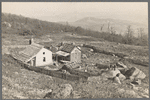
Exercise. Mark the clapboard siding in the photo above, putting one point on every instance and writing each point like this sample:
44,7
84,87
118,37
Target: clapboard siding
75,55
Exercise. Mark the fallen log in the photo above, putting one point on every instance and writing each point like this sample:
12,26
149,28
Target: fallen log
138,62
97,50
78,72
101,66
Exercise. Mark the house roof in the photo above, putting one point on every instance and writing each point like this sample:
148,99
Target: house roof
53,49
67,48
29,52
49,45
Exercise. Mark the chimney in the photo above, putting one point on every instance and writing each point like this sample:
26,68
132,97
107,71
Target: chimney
31,41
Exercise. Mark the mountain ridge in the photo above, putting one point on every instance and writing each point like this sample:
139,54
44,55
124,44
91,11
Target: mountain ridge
117,25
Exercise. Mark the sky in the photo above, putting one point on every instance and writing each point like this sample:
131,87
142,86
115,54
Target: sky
71,11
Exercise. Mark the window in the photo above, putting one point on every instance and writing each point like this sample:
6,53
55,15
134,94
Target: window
44,59
43,53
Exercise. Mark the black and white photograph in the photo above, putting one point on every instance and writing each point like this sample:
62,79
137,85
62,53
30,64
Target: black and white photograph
74,50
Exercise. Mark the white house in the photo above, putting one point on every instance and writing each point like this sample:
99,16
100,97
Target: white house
35,55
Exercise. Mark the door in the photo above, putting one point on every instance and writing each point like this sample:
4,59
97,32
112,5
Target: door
34,61
72,57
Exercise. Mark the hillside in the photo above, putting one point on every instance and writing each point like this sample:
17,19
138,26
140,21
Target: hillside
29,26
19,82
120,26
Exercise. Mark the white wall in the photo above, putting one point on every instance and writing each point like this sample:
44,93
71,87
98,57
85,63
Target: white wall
75,55
47,55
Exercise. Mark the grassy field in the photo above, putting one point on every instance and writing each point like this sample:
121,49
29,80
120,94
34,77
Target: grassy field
20,83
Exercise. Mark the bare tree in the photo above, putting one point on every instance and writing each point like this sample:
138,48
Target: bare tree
108,26
129,34
140,33
112,30
102,27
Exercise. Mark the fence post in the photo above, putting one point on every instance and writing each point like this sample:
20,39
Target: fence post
62,76
65,76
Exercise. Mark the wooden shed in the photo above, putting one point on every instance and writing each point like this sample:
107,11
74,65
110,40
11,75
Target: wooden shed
70,51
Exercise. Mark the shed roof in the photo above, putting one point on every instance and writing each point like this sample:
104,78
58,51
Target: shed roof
29,52
68,48
61,53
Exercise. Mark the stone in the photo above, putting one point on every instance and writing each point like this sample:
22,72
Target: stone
20,97
121,77
121,91
131,78
64,92
16,73
94,79
48,94
144,95
84,56
134,87
93,64
120,64
85,70
122,70
146,91
4,88
76,95
129,72
91,50
140,75
130,92
138,82
113,55
138,96
117,80
111,73
50,90
81,45
135,73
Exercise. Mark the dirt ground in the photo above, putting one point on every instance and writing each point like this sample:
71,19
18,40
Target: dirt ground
20,83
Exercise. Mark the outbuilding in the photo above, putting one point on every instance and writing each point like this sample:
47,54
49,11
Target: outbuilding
70,52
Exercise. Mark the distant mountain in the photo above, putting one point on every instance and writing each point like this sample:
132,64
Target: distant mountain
15,24
96,24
